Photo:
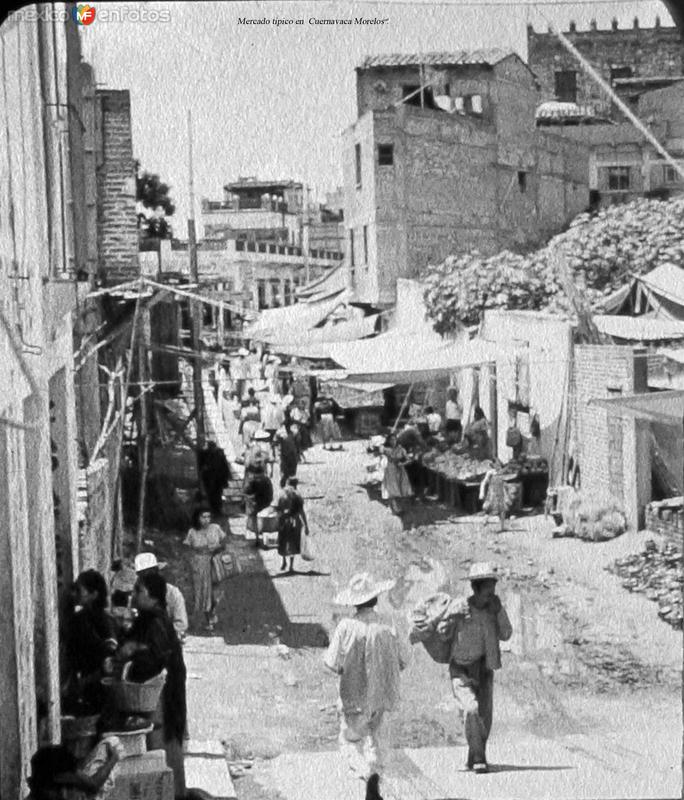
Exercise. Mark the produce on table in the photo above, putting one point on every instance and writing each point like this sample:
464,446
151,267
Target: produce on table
658,574
603,251
457,466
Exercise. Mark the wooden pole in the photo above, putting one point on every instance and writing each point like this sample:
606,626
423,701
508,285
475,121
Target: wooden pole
143,432
195,307
403,406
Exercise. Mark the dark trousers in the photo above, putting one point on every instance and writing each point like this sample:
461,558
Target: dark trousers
454,426
473,688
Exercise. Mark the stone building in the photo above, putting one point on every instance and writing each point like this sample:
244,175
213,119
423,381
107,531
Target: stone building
632,60
62,184
453,166
623,165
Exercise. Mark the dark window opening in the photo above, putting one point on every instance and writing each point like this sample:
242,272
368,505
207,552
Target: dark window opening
616,73
618,178
566,85
522,181
351,247
385,155
413,95
365,244
357,153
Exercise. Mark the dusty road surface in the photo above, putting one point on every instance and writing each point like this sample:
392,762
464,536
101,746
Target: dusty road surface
591,677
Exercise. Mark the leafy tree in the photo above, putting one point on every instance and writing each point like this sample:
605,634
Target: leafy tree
154,205
603,251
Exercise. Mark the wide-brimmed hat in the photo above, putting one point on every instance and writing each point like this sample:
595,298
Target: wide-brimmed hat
483,571
362,588
145,561
243,352
261,435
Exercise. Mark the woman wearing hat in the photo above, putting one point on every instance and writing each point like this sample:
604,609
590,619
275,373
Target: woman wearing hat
366,654
475,654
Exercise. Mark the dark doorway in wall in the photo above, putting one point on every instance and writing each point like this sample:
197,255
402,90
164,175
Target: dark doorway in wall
522,181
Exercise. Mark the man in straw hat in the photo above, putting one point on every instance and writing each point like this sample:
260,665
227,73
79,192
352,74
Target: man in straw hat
475,654
146,563
366,654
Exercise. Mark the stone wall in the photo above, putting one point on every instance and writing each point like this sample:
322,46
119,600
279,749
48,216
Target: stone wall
116,205
650,52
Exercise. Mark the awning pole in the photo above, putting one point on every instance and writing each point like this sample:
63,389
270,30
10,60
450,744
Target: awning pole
403,406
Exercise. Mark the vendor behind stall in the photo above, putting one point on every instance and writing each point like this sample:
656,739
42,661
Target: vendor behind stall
414,444
476,436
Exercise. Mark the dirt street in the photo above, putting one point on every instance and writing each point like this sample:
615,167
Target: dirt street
586,657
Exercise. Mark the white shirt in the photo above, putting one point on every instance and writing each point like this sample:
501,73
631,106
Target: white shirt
272,416
434,422
453,410
175,608
366,654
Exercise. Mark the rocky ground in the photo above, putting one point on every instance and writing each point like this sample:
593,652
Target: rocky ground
586,654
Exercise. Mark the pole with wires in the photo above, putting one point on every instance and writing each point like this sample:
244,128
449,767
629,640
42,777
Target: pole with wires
195,307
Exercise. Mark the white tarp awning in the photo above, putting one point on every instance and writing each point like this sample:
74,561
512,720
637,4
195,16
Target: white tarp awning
639,329
392,358
344,330
290,322
659,293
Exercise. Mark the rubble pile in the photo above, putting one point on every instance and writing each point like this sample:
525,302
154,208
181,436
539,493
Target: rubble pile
658,574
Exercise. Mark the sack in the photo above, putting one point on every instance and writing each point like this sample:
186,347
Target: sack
513,437
224,565
306,551
438,649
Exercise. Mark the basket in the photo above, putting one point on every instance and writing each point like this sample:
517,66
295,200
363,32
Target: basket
136,697
267,521
134,743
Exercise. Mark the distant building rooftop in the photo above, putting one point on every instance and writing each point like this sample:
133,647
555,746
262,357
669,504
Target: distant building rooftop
253,183
487,57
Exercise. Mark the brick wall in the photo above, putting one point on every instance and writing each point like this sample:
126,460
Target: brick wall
610,448
116,212
651,52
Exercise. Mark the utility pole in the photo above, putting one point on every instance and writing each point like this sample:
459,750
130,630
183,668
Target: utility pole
195,305
306,229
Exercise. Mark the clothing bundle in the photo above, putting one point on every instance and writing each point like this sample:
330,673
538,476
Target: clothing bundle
431,618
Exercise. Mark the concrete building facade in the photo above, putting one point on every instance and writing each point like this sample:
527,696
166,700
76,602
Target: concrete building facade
252,275
631,59
450,168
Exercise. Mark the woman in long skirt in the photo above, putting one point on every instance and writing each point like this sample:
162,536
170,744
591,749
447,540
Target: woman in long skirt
206,539
291,520
395,483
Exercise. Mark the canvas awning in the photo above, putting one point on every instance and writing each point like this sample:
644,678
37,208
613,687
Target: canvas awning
344,330
659,293
663,407
392,358
350,394
290,322
639,329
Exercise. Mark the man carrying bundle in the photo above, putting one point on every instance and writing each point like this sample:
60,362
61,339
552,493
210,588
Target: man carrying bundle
466,635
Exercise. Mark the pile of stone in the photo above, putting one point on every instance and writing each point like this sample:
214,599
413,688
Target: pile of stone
657,573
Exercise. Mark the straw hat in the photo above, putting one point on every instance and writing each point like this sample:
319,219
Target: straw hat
361,589
243,352
261,435
483,571
145,561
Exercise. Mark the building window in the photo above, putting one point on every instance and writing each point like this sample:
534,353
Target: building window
522,181
413,95
472,104
357,152
671,175
288,292
365,244
352,259
261,294
566,85
616,73
385,155
616,179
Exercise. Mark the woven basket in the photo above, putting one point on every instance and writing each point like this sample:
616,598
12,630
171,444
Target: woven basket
136,697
